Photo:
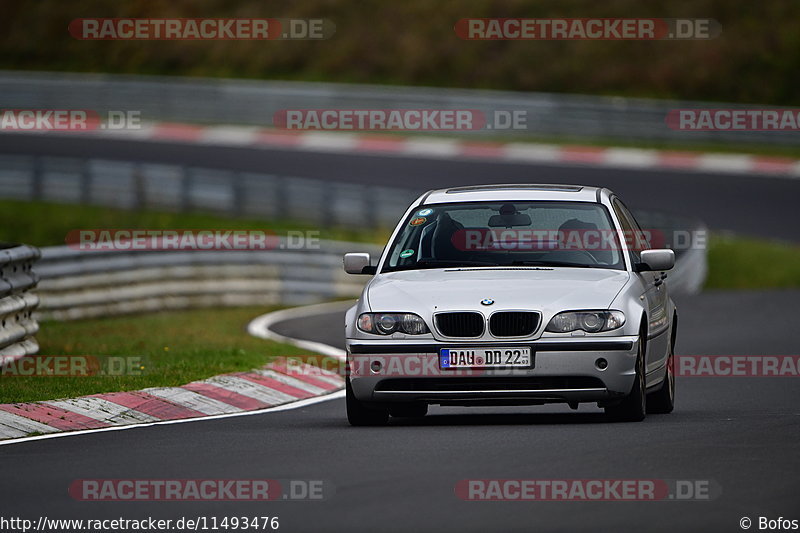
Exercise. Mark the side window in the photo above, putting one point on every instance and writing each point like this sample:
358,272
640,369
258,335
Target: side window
642,241
631,232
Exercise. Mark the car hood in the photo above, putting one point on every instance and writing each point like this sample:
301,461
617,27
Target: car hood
546,289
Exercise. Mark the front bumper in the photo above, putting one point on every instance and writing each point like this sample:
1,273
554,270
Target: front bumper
564,370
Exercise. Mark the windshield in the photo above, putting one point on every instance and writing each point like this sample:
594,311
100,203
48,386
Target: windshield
571,234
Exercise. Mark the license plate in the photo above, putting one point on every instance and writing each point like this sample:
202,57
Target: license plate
517,356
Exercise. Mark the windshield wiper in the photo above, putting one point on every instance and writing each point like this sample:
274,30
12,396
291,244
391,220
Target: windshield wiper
552,263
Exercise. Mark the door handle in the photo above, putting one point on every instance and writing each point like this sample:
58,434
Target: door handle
658,282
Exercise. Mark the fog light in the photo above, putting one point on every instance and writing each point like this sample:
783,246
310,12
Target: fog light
601,364
375,366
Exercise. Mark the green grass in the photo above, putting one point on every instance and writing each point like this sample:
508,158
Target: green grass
47,223
746,263
176,347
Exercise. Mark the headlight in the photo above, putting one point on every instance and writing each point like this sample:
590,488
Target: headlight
388,323
588,321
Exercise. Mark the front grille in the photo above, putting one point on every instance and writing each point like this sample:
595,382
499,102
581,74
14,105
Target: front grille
513,323
460,324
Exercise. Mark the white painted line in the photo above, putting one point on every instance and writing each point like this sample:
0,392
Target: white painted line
144,132
12,425
193,400
250,389
532,152
288,380
286,407
431,147
103,410
723,163
260,326
630,157
229,135
329,142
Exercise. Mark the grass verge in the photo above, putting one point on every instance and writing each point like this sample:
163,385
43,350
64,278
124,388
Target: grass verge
47,223
746,263
176,347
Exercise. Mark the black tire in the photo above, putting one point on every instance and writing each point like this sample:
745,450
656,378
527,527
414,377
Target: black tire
633,408
410,410
663,400
360,414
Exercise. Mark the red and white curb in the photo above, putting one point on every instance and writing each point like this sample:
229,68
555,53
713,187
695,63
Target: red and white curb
272,387
439,147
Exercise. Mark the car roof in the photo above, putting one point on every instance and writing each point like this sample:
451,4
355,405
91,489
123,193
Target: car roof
515,192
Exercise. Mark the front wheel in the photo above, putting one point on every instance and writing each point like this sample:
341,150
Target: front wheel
634,407
359,414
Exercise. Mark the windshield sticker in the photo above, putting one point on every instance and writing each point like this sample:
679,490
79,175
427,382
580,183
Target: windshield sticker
425,212
406,253
418,221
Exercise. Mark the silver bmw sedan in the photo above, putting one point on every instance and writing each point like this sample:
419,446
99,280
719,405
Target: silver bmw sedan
512,295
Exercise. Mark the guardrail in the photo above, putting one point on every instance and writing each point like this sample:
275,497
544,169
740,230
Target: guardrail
225,101
134,185
82,284
17,323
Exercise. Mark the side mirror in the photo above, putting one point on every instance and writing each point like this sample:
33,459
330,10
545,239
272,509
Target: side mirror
358,263
653,260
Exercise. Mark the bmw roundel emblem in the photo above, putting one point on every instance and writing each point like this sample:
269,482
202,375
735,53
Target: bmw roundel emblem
487,301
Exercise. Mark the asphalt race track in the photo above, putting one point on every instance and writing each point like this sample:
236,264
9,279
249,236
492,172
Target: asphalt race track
741,434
